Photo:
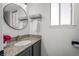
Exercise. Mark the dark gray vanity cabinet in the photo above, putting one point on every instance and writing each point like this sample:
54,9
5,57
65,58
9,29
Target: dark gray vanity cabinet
34,50
37,49
2,53
26,52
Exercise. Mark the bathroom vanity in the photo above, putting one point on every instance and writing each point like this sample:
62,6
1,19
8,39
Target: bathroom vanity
16,17
32,49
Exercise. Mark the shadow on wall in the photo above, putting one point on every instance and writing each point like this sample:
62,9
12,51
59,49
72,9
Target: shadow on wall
43,48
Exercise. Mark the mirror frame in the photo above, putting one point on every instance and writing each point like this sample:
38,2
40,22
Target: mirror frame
21,8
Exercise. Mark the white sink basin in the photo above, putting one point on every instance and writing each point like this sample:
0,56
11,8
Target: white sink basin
22,43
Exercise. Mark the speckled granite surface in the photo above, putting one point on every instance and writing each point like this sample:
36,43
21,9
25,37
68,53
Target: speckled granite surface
13,50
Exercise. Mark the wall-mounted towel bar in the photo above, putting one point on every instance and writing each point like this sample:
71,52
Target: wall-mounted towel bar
75,44
36,16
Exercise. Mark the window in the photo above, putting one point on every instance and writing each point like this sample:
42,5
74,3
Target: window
55,14
61,14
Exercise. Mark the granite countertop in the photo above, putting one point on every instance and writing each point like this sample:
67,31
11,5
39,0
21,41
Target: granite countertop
13,50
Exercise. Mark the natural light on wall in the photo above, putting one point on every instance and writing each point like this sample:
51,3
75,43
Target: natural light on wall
61,14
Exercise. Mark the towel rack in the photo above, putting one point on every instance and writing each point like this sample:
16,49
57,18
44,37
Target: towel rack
36,17
75,44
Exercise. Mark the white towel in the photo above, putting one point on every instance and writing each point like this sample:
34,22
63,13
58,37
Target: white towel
35,27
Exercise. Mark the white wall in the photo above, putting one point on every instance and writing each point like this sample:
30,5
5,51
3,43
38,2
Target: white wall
56,40
10,31
1,41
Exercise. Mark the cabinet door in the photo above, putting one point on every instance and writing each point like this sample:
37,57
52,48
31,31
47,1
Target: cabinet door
26,52
2,53
37,49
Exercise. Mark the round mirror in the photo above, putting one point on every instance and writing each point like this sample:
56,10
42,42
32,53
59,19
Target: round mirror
15,16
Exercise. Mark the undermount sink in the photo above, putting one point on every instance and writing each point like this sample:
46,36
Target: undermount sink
22,43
